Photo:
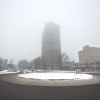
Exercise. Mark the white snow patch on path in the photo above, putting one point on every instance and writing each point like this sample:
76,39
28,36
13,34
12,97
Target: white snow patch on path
7,72
55,76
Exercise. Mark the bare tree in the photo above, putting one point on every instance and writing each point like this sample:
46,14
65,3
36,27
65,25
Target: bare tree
11,61
65,59
3,63
23,64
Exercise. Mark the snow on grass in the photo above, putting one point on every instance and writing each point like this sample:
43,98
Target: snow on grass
56,76
7,72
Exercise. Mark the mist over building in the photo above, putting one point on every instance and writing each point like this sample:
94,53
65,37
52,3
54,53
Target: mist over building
51,47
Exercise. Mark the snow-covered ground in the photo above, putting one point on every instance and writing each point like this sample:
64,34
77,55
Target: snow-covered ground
55,75
7,72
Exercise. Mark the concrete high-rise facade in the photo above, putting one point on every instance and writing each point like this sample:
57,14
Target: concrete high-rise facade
51,47
89,55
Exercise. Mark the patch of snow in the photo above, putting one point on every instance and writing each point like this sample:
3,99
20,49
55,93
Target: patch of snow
7,72
55,76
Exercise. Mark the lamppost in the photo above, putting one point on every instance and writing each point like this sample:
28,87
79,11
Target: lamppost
33,65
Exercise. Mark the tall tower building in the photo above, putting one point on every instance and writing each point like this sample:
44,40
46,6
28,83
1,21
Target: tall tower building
51,47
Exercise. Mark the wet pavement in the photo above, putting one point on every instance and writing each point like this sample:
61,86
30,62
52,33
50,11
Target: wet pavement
10,91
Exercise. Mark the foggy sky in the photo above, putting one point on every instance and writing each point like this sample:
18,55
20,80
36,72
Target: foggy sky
22,24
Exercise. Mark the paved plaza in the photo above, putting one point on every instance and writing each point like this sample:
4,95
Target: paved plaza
60,82
13,87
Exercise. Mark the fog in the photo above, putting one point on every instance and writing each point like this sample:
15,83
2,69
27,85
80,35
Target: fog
22,23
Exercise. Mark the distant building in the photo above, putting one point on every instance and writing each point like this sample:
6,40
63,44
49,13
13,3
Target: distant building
90,56
51,47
